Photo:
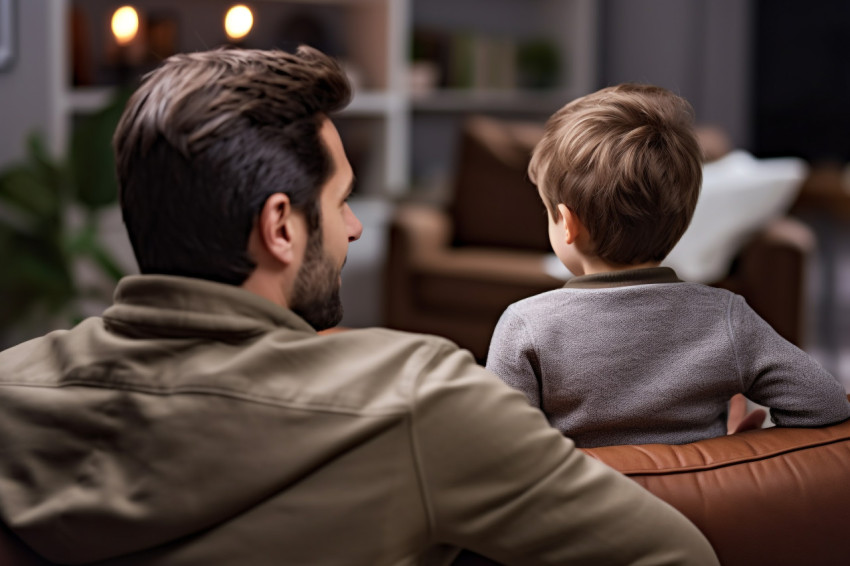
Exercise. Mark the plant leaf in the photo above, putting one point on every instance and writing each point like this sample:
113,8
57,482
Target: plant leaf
91,160
23,189
36,276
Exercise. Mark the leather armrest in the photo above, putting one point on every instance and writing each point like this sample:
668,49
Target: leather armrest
775,496
425,230
789,232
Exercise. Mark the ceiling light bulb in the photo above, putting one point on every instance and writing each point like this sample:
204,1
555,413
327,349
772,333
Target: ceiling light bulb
125,24
238,22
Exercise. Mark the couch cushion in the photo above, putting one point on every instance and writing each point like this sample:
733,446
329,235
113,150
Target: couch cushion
473,280
494,202
740,195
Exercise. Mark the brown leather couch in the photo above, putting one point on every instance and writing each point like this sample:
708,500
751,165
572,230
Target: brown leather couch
771,496
453,270
766,497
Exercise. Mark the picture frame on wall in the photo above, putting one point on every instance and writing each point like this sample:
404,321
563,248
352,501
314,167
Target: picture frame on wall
7,34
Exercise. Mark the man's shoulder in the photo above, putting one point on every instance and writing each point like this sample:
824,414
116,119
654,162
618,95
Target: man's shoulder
356,370
387,336
405,352
387,367
381,341
39,349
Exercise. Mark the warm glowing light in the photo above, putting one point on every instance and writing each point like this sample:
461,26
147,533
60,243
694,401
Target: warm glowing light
125,24
238,22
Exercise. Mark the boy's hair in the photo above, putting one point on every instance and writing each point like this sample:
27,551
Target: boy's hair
206,139
625,160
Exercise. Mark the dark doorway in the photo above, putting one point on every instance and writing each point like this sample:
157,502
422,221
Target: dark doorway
802,83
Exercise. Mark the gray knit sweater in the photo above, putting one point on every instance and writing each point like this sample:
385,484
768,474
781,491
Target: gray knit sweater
640,357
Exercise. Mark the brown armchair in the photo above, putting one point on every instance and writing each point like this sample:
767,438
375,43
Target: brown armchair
452,271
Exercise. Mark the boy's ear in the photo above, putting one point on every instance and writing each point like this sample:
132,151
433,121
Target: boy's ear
572,225
275,228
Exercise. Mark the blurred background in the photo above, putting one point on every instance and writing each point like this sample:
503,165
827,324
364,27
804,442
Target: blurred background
450,94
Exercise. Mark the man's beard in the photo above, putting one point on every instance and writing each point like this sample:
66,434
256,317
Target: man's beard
315,294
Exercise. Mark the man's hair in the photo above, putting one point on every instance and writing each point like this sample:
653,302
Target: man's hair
626,162
207,138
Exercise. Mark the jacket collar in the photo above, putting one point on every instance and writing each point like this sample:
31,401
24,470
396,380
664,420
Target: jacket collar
165,305
625,278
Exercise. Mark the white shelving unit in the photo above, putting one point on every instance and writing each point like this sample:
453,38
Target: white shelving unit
383,123
397,137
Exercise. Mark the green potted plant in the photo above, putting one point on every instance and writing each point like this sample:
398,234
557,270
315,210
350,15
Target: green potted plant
49,216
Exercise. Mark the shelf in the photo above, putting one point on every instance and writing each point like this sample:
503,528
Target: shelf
84,100
393,132
503,101
374,103
327,2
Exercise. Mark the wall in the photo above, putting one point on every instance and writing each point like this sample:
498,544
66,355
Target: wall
25,100
700,49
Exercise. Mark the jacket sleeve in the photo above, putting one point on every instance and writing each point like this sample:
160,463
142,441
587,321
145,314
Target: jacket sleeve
512,356
780,376
498,480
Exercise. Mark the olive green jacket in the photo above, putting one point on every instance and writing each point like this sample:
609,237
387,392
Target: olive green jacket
197,423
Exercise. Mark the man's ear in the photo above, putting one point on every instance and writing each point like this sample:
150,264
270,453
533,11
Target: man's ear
275,228
572,225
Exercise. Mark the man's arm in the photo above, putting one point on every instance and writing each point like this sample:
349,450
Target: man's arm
498,480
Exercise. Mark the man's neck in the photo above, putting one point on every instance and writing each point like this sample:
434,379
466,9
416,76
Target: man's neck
269,288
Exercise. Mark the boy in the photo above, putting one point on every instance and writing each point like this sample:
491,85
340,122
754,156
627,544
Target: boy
626,353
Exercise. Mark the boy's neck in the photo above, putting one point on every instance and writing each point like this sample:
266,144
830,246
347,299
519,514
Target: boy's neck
594,265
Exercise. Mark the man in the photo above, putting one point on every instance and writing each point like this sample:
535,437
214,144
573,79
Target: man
202,420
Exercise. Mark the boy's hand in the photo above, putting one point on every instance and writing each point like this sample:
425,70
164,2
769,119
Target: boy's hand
739,420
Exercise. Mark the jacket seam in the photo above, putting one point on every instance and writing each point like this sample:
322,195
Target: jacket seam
196,390
418,463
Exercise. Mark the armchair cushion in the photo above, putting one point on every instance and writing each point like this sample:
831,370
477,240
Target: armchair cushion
740,195
494,202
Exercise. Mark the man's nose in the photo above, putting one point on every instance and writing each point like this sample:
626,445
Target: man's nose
355,227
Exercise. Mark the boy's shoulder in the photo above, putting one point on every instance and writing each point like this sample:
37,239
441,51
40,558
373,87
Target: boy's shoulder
544,300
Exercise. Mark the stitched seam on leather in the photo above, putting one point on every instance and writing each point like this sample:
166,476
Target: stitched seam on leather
729,463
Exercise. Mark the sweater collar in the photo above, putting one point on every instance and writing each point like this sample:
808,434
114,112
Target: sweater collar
625,278
166,305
